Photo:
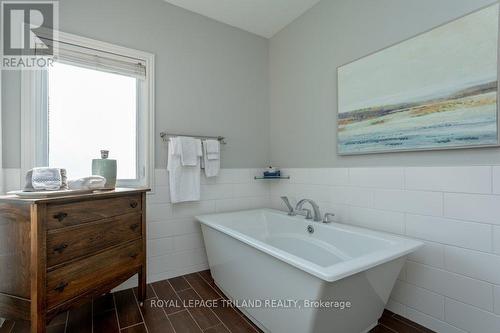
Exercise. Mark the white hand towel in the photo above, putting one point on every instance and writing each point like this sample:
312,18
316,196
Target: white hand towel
211,160
48,179
212,149
87,183
184,180
190,150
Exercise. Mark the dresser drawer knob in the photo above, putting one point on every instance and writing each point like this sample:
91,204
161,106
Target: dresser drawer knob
134,226
133,255
133,204
60,248
60,216
60,287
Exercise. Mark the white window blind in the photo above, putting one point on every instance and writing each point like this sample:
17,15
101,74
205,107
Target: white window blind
95,59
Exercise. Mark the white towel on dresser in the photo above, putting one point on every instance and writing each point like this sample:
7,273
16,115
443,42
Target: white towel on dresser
211,157
45,178
184,180
94,182
190,150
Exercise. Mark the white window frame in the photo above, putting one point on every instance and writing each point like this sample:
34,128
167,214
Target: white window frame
34,112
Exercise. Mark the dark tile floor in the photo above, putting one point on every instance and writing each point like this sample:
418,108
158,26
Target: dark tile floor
120,312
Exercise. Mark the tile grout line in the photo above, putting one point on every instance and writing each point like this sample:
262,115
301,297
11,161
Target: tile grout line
176,312
492,187
492,230
92,315
178,291
215,314
116,313
189,312
125,328
163,310
492,295
66,322
444,303
390,329
139,307
209,283
206,329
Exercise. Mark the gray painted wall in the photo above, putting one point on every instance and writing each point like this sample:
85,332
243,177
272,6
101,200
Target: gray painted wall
303,61
211,78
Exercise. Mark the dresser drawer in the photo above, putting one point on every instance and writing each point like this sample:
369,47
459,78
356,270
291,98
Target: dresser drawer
69,281
68,214
72,242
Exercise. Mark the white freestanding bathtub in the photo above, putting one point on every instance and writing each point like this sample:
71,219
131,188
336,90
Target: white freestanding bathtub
274,270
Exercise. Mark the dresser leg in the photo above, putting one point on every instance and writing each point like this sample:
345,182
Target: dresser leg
141,289
38,324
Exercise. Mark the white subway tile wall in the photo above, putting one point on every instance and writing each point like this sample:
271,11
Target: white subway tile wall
470,318
473,207
452,284
469,235
472,291
418,202
444,179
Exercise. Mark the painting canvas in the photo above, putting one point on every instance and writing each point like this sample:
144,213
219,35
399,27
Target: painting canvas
437,90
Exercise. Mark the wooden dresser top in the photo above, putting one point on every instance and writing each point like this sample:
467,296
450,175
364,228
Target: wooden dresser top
95,195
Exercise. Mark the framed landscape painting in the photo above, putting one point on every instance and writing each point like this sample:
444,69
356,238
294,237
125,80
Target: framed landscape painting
437,90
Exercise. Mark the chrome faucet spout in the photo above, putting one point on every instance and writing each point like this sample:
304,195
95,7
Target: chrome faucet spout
291,211
315,207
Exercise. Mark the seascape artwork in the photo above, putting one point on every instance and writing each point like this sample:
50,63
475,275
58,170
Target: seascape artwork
437,90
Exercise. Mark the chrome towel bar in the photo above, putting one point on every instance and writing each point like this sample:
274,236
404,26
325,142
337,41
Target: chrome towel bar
165,136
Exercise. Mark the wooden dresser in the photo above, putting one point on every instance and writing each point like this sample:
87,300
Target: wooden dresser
56,253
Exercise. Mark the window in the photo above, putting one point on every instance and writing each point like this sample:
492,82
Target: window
95,97
90,110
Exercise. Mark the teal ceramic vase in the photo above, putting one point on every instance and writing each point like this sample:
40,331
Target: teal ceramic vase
106,168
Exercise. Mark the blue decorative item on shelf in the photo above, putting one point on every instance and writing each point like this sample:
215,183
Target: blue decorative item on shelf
272,173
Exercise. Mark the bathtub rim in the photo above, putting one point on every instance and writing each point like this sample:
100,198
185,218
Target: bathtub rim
331,273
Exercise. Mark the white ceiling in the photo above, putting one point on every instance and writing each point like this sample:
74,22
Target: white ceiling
262,17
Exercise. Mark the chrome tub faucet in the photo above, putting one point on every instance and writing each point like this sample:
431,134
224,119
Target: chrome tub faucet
315,207
307,213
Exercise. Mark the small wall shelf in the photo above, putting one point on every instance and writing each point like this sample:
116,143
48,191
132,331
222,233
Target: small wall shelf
269,178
